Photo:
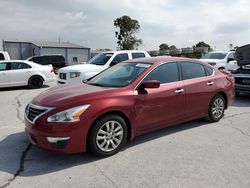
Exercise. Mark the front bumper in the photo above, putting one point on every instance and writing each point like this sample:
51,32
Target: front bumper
242,88
57,138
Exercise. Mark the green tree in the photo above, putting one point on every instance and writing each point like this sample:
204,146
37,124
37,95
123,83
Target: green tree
164,46
126,34
203,44
172,47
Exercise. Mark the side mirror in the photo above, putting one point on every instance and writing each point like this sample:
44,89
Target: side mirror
230,59
113,63
150,84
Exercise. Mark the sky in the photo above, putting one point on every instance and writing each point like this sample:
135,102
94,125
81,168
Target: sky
89,23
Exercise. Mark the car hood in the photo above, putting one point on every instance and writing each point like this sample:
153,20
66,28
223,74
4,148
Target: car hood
242,55
82,68
69,94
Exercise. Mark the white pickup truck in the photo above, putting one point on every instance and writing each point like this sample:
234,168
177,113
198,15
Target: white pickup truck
4,56
100,62
219,59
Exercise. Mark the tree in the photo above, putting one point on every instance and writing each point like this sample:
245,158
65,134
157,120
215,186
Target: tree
164,46
172,47
203,44
126,35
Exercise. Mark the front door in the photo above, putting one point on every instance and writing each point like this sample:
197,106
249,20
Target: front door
161,106
4,75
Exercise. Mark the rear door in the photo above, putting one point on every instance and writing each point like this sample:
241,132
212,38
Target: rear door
4,74
199,88
19,74
164,105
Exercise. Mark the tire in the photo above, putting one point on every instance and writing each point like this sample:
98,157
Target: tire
35,82
107,136
216,108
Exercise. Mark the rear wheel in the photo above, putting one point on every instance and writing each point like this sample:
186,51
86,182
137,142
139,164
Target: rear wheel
216,108
107,136
35,82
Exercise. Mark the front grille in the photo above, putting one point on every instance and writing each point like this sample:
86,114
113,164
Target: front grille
242,81
33,112
62,76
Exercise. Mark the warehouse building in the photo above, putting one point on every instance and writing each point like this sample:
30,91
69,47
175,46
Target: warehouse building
73,53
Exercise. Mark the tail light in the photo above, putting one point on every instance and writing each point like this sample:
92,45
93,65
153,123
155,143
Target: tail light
229,76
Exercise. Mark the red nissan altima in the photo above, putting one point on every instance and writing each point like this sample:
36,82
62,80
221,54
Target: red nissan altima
124,101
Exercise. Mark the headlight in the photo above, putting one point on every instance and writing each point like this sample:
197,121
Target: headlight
70,115
74,74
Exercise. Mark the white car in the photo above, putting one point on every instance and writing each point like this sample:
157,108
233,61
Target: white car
100,62
219,59
4,56
21,73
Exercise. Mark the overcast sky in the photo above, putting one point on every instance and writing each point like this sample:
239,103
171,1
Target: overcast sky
90,22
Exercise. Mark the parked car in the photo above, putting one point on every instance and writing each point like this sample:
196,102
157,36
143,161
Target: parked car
57,61
21,73
98,63
218,59
4,56
129,99
242,74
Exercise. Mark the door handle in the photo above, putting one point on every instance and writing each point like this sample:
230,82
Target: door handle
178,91
210,83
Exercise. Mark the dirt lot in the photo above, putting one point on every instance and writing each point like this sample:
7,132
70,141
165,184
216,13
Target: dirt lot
194,154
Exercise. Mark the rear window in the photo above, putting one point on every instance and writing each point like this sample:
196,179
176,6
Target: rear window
137,55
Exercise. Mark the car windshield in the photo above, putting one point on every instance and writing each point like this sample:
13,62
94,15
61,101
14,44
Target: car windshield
100,59
214,56
119,75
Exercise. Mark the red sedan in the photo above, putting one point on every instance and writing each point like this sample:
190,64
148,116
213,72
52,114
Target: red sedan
124,101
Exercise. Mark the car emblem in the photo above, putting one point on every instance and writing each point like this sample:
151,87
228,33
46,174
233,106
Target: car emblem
246,81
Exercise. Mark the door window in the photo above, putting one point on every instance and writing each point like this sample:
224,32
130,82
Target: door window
120,57
192,70
137,55
3,66
165,73
19,65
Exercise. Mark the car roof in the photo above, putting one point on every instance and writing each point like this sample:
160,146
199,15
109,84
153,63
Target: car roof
161,59
124,51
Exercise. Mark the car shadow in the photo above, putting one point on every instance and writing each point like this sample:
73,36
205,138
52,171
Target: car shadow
39,162
243,100
20,88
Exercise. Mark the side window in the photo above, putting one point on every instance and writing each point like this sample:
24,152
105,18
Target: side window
209,71
192,70
165,73
137,55
231,56
3,66
1,56
17,65
120,57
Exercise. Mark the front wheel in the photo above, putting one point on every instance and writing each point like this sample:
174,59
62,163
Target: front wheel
216,108
107,136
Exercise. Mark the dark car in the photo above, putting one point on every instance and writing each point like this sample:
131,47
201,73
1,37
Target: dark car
57,61
129,99
242,74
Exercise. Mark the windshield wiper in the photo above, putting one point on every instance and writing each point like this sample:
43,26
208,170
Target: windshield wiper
96,84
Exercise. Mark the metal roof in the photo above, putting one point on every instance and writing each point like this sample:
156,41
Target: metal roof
52,44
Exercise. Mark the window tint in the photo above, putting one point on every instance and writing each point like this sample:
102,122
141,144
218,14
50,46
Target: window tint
120,57
165,73
230,56
3,66
192,70
137,55
209,71
1,56
17,65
